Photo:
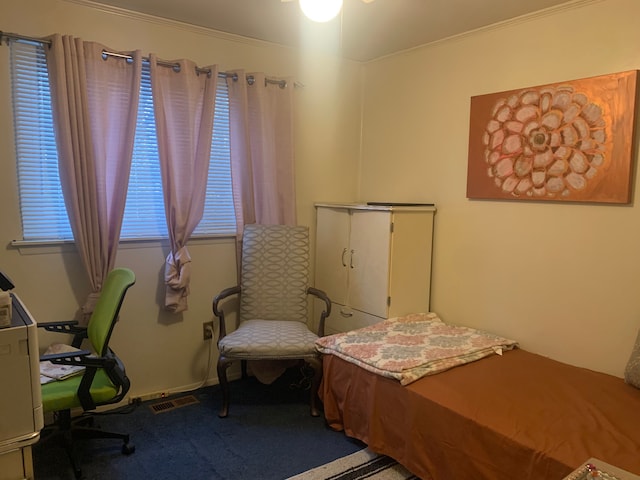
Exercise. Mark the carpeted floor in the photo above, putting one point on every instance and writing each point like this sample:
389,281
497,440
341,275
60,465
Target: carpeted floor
269,434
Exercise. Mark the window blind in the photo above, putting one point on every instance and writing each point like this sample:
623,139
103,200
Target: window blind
44,216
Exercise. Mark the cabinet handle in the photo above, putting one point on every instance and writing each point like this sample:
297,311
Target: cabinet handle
344,252
346,313
351,259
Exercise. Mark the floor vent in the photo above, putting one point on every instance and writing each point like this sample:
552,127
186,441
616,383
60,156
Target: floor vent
168,405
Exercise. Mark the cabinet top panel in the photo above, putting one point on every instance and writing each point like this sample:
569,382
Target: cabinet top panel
383,206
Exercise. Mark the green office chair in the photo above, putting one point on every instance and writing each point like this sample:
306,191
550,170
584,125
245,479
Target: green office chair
103,381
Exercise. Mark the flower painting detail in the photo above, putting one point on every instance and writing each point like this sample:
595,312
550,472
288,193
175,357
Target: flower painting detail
562,142
545,143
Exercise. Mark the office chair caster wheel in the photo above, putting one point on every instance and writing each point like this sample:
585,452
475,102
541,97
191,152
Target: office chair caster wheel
128,449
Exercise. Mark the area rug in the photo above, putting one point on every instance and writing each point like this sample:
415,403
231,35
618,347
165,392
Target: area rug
359,465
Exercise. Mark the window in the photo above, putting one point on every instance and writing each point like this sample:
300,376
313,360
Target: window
44,216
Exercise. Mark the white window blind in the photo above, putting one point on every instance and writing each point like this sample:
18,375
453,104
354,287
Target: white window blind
219,214
44,216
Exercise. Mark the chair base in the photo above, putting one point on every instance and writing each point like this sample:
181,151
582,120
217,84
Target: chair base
224,363
72,429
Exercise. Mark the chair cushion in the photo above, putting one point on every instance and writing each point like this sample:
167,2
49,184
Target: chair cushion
62,394
269,339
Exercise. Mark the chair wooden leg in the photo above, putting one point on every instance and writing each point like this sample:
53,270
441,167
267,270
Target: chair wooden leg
316,364
223,364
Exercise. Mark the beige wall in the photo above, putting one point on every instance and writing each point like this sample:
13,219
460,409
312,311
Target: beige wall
166,352
562,279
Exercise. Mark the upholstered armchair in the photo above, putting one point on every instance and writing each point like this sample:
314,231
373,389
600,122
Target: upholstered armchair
273,312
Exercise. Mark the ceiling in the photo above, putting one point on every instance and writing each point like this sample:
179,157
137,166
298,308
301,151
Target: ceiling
363,31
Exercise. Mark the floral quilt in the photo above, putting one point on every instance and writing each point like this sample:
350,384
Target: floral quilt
411,347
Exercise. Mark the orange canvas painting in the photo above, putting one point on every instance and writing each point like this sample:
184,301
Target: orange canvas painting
569,141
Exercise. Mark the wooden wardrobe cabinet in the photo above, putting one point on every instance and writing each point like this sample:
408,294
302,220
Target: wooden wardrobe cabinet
374,262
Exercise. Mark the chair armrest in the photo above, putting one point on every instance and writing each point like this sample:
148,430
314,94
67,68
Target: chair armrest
66,326
66,358
83,358
219,312
327,308
114,370
227,292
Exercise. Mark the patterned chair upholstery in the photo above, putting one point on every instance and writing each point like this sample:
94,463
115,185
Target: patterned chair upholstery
273,309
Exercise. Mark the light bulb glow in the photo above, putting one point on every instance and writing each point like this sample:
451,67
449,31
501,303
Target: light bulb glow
320,10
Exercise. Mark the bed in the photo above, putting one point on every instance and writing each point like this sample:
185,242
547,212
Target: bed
515,415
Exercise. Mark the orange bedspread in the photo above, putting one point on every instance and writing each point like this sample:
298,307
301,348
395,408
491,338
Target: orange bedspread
516,416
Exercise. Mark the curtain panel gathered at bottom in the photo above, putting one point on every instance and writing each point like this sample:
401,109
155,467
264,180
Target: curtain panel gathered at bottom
94,105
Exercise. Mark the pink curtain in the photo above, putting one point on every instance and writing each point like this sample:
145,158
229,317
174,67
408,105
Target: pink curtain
262,151
95,102
184,103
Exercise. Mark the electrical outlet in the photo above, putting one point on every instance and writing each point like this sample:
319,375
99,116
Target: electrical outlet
207,330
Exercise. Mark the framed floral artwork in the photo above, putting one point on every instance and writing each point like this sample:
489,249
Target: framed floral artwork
571,141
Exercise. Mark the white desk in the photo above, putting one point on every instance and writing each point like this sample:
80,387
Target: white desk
21,417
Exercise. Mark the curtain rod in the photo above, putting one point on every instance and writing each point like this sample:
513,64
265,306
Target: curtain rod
250,78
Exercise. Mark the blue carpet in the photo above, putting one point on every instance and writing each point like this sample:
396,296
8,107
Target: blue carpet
269,434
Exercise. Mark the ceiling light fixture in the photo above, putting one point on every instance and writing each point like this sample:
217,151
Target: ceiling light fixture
321,10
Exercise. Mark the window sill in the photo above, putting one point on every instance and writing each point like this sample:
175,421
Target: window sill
38,247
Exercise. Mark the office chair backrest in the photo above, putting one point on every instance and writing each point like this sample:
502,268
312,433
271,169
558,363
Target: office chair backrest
275,273
107,308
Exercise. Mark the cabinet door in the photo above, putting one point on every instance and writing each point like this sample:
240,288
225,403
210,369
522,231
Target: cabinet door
410,276
369,261
332,253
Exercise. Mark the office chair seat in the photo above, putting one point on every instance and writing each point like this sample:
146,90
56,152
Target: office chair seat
62,395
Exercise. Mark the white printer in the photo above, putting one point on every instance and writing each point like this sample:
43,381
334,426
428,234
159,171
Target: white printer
21,417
